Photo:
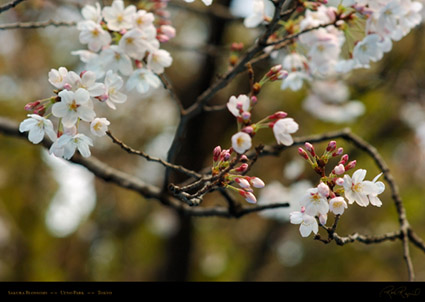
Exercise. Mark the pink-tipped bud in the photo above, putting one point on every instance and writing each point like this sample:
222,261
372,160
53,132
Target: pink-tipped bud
243,183
248,196
339,181
281,75
103,97
31,106
344,159
67,86
244,158
246,116
226,156
242,168
236,46
254,100
162,38
323,189
338,152
257,182
302,209
340,169
331,146
248,129
302,152
40,110
309,147
277,115
239,106
168,31
216,153
350,165
275,69
323,218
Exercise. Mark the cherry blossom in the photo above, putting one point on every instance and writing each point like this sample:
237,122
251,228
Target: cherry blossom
357,190
93,35
114,58
136,42
158,60
307,223
142,79
314,202
241,142
118,17
113,84
237,105
58,77
337,205
99,126
262,10
283,129
66,145
37,126
74,106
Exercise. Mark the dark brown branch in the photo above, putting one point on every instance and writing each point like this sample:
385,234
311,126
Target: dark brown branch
31,25
10,5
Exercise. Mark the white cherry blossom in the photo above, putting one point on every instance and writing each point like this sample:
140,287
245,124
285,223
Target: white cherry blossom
283,129
93,35
93,13
99,126
114,58
357,190
142,79
337,205
262,10
74,105
314,202
239,104
241,142
37,126
136,42
158,60
58,77
118,17
143,19
113,84
307,223
66,145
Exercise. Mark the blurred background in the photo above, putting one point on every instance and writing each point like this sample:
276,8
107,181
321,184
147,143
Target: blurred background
59,223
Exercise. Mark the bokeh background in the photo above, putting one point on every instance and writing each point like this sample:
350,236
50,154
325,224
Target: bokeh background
59,223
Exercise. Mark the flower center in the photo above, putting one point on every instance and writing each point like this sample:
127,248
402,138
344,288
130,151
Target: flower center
73,106
356,187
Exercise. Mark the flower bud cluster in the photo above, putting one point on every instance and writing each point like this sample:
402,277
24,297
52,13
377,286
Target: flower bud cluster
334,189
222,166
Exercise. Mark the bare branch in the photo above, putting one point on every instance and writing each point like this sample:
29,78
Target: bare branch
10,5
153,159
39,24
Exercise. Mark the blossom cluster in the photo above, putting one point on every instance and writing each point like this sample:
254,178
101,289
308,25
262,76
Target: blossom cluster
127,42
334,190
241,106
328,27
74,102
222,160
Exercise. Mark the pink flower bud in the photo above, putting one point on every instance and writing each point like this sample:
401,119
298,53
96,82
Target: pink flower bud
31,106
257,182
338,152
310,149
162,38
323,189
323,218
302,209
248,196
244,158
350,165
40,110
340,169
281,75
243,183
168,31
275,69
331,146
344,159
302,152
216,153
339,181
103,97
277,115
242,168
248,129
246,116
67,86
254,100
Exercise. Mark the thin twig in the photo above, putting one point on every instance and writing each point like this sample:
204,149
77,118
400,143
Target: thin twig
170,88
39,24
153,159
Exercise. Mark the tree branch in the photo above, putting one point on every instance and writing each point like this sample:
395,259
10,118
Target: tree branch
10,5
39,24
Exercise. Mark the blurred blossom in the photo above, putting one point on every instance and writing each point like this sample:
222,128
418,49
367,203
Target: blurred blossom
163,222
213,264
289,252
294,169
275,192
74,200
